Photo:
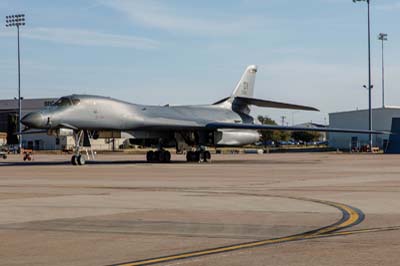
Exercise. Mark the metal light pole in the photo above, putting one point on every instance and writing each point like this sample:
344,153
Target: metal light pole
383,37
369,72
17,21
283,120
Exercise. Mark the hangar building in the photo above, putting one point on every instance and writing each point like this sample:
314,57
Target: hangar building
358,119
42,141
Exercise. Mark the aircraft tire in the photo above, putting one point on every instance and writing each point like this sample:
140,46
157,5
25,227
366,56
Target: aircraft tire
192,156
189,156
207,156
200,156
156,156
80,160
150,156
167,157
74,160
161,156
196,156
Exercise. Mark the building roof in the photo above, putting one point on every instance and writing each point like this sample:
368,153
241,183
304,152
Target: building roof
10,104
387,107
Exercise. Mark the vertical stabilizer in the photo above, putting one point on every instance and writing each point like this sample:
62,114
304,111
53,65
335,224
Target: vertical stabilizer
394,138
245,87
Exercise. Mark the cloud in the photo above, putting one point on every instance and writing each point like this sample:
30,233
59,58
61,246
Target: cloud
85,38
154,14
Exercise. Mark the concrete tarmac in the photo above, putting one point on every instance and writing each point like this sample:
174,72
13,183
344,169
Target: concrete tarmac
120,209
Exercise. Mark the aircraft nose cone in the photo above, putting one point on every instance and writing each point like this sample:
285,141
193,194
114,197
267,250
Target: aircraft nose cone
33,120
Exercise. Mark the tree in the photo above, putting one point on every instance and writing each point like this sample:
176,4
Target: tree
306,136
272,135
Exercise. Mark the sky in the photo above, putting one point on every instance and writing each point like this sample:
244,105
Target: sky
310,52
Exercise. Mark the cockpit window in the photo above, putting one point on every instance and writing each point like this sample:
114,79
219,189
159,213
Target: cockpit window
63,102
75,101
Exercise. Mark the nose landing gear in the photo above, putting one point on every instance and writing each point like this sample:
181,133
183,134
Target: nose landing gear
82,138
78,160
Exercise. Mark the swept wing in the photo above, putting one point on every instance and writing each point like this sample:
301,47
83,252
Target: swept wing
218,125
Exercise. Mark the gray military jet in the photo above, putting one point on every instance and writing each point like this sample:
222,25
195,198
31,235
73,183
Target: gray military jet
191,128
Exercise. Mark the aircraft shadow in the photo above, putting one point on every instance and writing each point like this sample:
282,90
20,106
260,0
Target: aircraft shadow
125,162
55,163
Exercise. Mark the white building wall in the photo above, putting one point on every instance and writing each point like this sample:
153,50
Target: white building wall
43,141
98,144
381,120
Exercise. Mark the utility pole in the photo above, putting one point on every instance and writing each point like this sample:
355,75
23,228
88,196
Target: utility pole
283,120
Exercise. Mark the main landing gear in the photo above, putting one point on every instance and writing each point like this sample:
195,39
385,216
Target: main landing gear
159,156
199,156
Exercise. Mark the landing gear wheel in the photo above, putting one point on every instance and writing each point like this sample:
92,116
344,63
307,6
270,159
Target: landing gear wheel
161,156
150,156
167,157
200,156
207,156
196,156
193,156
164,156
74,160
81,160
189,156
156,156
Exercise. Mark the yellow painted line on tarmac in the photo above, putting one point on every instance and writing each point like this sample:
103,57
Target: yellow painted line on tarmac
211,251
361,231
351,216
354,216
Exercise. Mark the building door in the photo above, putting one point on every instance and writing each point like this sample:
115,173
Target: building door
354,143
37,145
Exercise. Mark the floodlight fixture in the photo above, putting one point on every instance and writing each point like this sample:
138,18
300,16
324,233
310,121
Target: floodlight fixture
382,37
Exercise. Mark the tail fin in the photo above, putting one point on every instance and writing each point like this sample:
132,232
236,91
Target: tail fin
244,89
393,146
245,86
242,97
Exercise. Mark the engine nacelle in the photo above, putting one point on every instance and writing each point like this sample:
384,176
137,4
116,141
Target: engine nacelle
61,132
236,137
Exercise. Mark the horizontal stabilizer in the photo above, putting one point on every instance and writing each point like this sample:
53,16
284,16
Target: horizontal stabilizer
275,127
29,131
68,126
271,104
222,100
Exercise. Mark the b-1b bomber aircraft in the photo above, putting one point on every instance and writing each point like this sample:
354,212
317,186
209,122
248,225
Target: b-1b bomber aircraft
192,128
